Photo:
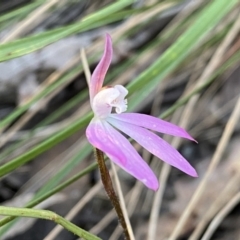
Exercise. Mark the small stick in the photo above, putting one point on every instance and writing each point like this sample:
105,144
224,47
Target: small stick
107,183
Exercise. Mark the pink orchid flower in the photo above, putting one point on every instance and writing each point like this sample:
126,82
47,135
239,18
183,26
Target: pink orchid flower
102,133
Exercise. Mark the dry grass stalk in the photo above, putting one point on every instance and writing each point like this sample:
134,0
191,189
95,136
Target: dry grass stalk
30,22
214,162
228,192
220,216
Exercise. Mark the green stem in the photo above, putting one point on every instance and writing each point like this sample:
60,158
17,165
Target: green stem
107,183
48,215
52,192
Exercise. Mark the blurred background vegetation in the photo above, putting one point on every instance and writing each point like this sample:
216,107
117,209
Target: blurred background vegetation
180,60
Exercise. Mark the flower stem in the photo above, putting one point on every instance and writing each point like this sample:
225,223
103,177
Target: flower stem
45,214
107,183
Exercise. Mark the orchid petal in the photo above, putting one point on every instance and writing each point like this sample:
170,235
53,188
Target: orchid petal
101,69
155,145
108,98
104,137
101,104
152,123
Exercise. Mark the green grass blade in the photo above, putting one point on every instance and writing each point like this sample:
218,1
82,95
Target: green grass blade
48,215
44,146
45,196
11,117
175,54
20,11
29,44
66,169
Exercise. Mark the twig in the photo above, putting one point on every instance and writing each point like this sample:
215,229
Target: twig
48,215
